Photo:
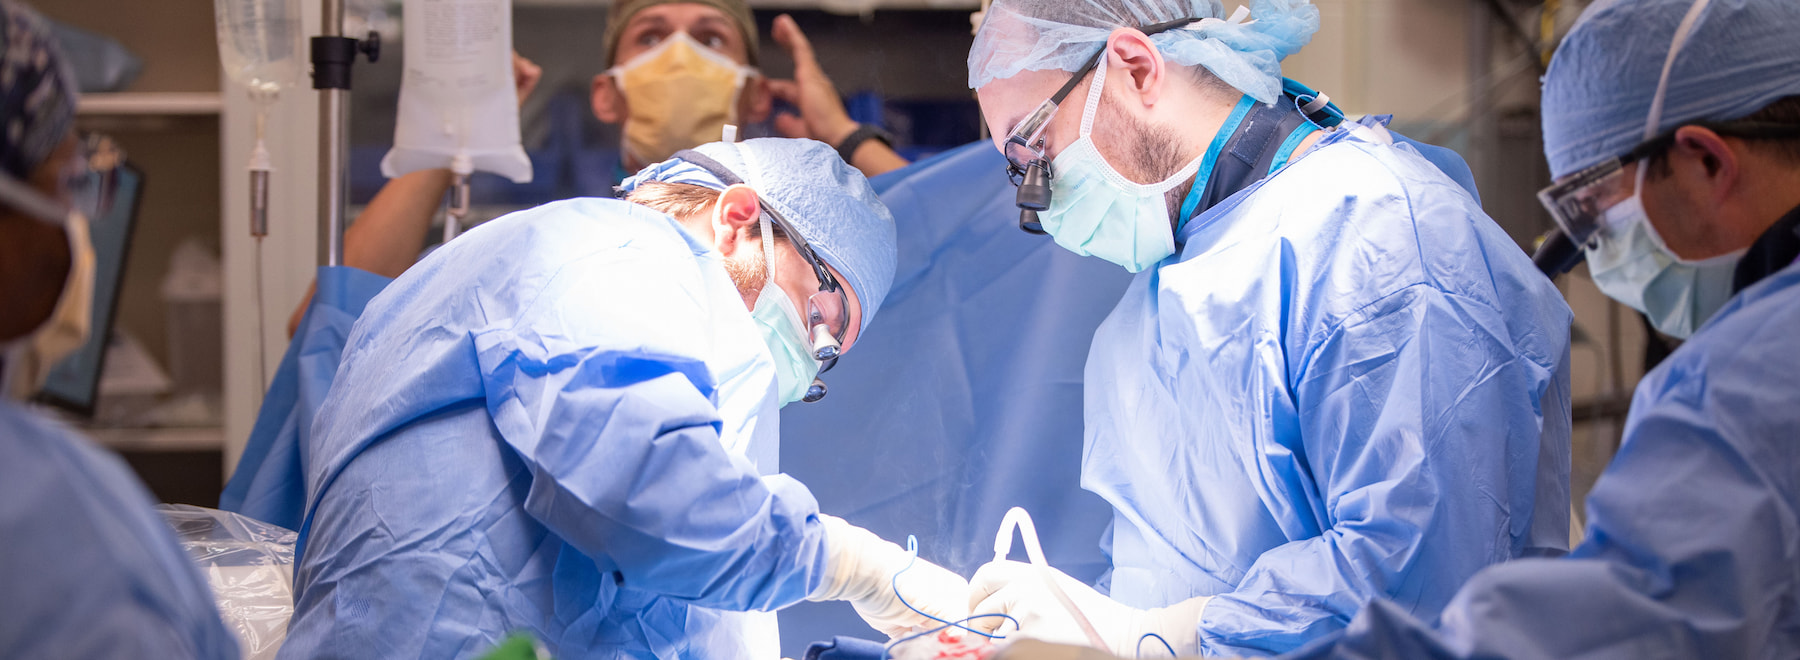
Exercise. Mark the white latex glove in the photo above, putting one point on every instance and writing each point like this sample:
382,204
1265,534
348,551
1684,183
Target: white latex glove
1022,591
860,568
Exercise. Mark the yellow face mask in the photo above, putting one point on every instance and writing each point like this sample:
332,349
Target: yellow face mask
681,95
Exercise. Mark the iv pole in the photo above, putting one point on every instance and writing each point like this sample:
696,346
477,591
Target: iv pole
333,56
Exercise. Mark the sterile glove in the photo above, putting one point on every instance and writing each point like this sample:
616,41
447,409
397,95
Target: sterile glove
1022,592
860,568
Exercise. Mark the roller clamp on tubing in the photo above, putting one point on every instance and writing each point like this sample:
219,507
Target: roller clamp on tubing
333,57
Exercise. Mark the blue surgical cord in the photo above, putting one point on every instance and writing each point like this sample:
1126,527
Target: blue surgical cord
1159,638
948,625
912,548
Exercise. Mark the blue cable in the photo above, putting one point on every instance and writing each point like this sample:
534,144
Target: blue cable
948,625
1165,643
912,547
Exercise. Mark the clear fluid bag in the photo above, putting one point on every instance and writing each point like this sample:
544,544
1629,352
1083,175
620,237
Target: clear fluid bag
260,45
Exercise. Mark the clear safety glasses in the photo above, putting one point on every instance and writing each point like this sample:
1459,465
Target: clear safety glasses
87,185
93,176
828,311
1579,202
1026,165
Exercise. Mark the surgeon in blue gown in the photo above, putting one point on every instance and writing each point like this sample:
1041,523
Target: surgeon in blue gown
1693,538
1333,378
88,569
565,422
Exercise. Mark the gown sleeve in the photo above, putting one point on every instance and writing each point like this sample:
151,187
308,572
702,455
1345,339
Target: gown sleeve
1691,545
613,413
1420,426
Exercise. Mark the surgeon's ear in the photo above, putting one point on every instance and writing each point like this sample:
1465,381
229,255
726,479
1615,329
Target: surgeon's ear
1143,66
608,100
736,218
756,102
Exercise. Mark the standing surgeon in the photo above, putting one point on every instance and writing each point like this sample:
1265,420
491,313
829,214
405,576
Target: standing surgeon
1333,379
565,422
1673,130
88,569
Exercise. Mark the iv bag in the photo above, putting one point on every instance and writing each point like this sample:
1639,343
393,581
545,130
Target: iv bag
458,108
259,44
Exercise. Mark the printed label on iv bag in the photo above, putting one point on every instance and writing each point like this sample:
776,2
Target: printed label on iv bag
456,95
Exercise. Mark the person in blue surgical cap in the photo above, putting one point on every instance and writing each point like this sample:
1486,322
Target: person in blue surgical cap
565,423
88,568
1333,378
1673,129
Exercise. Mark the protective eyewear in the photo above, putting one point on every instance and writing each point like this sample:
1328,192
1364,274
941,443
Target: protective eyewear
1027,166
87,185
93,176
828,311
1579,202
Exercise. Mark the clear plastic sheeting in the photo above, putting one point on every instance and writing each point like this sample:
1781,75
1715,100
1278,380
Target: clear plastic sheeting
250,565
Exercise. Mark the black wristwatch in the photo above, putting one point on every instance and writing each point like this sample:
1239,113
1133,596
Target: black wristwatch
862,134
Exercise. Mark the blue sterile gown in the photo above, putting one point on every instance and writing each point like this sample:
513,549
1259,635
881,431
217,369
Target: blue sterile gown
553,424
1693,535
270,484
87,567
1349,383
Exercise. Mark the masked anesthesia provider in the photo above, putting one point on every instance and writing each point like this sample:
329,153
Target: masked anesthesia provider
566,422
1333,378
1683,181
88,568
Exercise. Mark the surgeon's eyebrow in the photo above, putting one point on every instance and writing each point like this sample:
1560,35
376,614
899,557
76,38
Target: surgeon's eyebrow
642,22
716,23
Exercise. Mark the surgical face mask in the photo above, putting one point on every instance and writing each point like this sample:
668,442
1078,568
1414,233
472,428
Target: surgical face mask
780,325
681,95
1631,264
30,358
1098,212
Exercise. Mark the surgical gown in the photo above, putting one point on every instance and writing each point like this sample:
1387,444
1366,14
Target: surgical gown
1693,536
1349,383
553,424
270,484
88,569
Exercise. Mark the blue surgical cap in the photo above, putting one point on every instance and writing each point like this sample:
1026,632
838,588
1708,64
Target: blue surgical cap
826,200
1740,58
37,91
1041,35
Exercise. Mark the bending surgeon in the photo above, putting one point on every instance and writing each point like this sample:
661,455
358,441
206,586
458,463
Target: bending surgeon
1673,130
89,569
566,422
1333,378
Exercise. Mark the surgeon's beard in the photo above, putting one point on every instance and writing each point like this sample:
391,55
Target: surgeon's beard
749,272
1155,153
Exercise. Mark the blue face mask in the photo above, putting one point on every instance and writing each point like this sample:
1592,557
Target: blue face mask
780,325
1098,212
1631,264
